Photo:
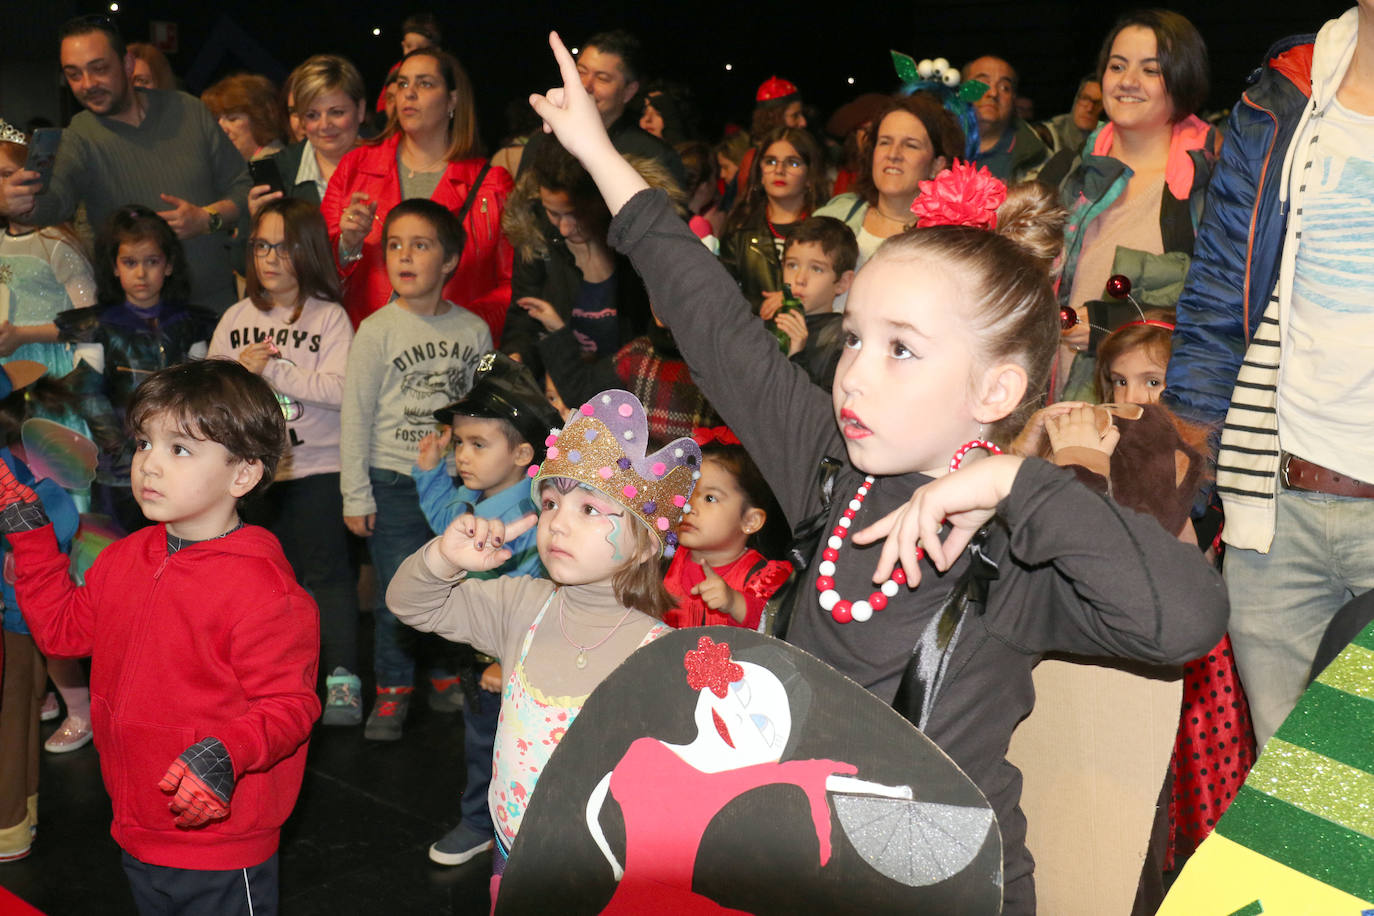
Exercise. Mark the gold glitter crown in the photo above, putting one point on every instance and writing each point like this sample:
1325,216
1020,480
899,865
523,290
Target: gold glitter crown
603,446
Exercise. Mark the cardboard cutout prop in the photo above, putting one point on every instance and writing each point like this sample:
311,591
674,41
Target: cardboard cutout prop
722,771
1299,837
1089,825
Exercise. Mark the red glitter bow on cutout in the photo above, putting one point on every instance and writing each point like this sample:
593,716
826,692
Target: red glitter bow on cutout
709,665
962,195
704,435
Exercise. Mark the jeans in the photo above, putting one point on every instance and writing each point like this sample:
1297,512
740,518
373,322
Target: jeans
1281,602
306,515
479,740
400,529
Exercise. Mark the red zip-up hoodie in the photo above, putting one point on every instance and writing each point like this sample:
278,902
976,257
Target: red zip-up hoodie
218,640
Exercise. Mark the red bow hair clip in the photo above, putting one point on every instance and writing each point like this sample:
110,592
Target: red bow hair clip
962,195
709,666
721,435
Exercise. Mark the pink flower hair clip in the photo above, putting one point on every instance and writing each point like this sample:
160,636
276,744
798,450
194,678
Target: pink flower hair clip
962,195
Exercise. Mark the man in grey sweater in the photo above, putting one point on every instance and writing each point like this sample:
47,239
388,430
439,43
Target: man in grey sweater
159,149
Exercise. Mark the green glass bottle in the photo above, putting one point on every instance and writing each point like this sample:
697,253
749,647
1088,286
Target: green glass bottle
790,303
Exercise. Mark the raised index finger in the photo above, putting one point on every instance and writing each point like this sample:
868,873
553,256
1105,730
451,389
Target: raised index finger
521,525
567,67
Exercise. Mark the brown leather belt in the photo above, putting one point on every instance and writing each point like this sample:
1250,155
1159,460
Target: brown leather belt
1298,474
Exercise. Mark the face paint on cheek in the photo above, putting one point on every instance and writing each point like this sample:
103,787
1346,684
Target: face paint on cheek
613,535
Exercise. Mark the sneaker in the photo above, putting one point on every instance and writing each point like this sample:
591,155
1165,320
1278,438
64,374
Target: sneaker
447,695
388,714
75,733
459,845
343,698
50,709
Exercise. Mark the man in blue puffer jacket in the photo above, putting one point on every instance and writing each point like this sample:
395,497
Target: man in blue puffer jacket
1275,349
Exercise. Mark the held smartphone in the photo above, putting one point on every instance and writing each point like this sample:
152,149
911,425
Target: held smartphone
265,171
43,153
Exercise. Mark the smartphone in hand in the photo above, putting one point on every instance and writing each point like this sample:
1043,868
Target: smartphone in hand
43,153
265,171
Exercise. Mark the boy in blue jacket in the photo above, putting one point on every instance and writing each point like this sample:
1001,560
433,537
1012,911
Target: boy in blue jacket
497,433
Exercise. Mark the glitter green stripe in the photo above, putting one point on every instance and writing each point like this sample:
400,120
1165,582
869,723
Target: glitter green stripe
1250,909
1304,842
1316,784
1334,723
1364,638
1352,671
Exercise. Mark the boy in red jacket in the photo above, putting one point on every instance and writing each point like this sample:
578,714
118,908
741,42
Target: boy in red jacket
203,647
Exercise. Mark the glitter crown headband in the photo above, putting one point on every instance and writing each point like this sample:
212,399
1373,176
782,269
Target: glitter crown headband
603,446
11,134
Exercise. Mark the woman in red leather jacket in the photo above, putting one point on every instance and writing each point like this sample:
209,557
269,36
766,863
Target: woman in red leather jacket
430,149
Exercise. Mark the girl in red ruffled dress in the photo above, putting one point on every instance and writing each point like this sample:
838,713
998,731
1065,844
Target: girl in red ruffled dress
721,574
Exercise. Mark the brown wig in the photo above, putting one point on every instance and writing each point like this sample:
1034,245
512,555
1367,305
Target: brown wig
251,95
220,401
1181,52
754,204
1009,301
307,246
463,139
946,136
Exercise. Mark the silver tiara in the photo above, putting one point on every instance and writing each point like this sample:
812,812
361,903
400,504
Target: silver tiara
11,134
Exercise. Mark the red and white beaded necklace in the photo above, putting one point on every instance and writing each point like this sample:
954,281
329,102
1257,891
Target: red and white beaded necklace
844,610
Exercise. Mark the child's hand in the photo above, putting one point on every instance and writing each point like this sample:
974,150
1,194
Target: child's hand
772,301
478,544
1079,336
793,324
259,196
1031,441
569,112
716,594
356,221
966,499
542,312
361,525
491,680
1078,428
20,509
203,780
254,357
432,448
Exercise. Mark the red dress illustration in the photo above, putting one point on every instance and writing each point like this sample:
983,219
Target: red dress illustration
664,826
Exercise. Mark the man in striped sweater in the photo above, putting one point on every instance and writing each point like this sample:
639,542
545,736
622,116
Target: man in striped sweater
1275,347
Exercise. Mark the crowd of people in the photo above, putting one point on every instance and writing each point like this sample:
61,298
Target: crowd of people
628,374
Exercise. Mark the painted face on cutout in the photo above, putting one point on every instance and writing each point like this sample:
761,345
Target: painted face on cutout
1137,378
750,724
583,537
1133,91
903,388
903,155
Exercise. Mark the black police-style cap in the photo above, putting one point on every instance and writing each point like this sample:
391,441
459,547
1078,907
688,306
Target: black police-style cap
503,389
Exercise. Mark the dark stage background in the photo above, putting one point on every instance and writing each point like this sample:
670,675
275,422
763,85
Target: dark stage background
503,46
